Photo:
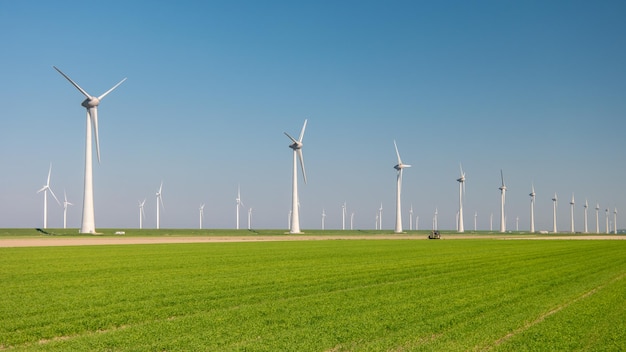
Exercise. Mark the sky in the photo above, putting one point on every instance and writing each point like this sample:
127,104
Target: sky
536,89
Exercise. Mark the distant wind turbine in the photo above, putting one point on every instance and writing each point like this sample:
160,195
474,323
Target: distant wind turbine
532,209
297,154
65,204
606,211
343,216
571,203
475,216
461,181
45,189
597,218
142,215
91,103
586,206
352,221
201,210
249,218
399,167
323,219
502,201
411,218
159,201
380,217
615,221
554,204
239,205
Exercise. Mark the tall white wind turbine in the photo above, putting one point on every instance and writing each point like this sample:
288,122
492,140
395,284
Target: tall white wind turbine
380,217
532,208
91,103
297,154
615,221
554,205
142,214
461,181
65,204
159,204
399,167
343,216
249,218
45,189
323,218
502,201
606,212
411,218
201,210
586,206
597,218
239,205
571,203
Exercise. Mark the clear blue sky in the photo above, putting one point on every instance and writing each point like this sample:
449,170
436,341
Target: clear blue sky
536,88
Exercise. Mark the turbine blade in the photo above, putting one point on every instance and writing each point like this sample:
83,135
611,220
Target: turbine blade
502,177
290,137
397,153
110,90
49,172
302,132
302,164
92,114
42,188
73,83
55,197
161,187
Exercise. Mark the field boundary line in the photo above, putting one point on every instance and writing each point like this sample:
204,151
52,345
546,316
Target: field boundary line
557,309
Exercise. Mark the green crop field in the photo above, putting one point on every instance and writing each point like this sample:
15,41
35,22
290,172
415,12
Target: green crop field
334,295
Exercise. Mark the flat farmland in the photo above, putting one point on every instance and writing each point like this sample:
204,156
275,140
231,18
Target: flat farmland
325,295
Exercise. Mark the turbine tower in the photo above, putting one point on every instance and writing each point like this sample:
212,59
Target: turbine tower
461,181
380,217
554,205
502,200
475,216
532,208
297,154
65,204
606,212
597,218
586,206
45,190
399,166
201,209
91,103
159,201
411,218
141,214
323,218
343,216
239,205
571,203
352,221
249,218
615,221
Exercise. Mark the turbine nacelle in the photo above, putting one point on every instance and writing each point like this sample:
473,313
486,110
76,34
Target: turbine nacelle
90,102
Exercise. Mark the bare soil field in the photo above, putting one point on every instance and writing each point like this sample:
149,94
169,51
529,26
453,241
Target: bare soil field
97,240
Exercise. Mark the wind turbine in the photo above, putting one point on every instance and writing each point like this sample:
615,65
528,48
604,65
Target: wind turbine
571,203
461,181
606,212
554,204
435,220
142,214
615,221
201,209
352,221
239,205
532,208
411,218
91,103
45,190
399,166
502,201
380,217
343,216
597,218
297,154
159,201
65,204
475,216
323,218
586,206
249,218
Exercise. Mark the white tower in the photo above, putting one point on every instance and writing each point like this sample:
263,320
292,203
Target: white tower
399,167
554,205
324,219
606,211
297,154
502,201
532,209
597,218
411,218
615,221
571,203
586,206
88,224
45,189
461,181
159,203
201,210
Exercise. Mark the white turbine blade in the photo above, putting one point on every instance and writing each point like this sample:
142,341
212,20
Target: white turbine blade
55,197
110,90
73,83
160,188
302,164
42,188
302,132
93,115
397,153
290,137
502,177
49,172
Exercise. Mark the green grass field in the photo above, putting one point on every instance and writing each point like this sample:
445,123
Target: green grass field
335,295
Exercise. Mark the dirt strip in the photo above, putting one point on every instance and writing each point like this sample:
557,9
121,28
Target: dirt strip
97,240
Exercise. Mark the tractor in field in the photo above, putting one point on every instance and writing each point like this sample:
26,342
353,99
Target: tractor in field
434,235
